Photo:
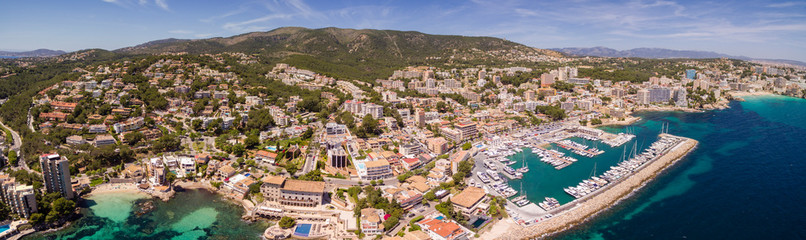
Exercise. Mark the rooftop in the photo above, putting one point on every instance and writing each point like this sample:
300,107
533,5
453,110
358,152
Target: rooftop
304,186
469,197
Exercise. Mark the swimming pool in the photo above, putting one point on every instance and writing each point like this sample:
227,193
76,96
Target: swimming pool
478,223
439,218
4,228
302,230
271,148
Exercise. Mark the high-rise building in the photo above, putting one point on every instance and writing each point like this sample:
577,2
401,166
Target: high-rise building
691,73
420,118
643,96
659,94
468,130
56,172
20,198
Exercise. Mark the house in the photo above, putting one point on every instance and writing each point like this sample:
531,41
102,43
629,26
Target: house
468,200
372,221
103,140
75,140
408,198
226,171
411,163
97,128
63,106
265,157
238,186
134,171
53,116
438,229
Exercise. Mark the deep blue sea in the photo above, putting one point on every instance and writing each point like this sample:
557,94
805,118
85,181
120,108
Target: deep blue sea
746,179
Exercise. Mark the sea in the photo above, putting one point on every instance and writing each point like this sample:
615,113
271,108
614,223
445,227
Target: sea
190,214
745,180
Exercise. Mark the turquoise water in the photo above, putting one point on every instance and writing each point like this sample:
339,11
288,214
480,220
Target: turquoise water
744,181
303,230
192,214
4,228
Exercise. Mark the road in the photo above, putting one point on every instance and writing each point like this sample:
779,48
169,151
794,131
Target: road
16,147
392,181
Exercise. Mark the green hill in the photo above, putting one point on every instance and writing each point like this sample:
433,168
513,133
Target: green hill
361,54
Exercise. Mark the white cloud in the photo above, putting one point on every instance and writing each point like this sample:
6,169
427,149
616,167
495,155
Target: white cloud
180,32
786,4
245,25
162,4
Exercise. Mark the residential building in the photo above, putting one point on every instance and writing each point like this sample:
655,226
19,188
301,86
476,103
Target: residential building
56,173
103,140
374,170
75,140
437,145
157,171
372,221
271,188
468,130
468,200
21,199
439,229
302,193
337,158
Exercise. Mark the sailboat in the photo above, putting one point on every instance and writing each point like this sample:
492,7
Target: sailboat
521,200
524,168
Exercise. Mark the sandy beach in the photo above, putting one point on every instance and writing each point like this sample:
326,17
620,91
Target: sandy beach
116,188
744,94
627,121
596,204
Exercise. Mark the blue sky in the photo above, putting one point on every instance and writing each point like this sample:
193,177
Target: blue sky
754,28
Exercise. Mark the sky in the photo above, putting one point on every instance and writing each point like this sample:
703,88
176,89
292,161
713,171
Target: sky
753,28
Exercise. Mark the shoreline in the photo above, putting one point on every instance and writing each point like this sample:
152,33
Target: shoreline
116,188
584,211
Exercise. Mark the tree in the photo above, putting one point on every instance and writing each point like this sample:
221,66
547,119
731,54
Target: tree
260,119
37,218
287,222
170,177
390,223
63,207
251,141
12,157
133,137
238,149
466,146
5,211
308,133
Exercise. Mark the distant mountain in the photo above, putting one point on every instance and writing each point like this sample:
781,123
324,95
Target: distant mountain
34,53
349,53
663,53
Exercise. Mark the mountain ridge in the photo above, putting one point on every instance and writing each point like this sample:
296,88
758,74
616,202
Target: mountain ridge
35,53
366,54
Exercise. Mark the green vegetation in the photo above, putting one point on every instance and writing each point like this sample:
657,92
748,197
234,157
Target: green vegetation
466,146
563,86
287,222
554,112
